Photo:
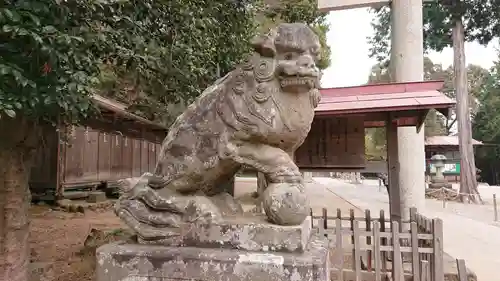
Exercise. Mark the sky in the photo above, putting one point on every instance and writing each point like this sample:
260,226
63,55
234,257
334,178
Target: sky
350,64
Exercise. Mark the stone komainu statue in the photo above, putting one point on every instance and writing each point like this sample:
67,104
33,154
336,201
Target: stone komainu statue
256,115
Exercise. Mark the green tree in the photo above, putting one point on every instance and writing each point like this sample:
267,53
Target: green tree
486,127
163,54
450,23
46,72
305,11
55,54
481,19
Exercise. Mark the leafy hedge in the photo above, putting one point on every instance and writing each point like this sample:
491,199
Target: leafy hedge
155,55
54,54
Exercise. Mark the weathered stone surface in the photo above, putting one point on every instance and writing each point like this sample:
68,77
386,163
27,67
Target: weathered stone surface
286,204
125,262
257,115
96,196
250,232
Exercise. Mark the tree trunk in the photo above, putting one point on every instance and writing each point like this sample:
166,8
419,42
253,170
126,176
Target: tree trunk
468,182
15,163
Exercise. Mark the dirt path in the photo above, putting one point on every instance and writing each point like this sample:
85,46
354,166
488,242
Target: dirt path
56,239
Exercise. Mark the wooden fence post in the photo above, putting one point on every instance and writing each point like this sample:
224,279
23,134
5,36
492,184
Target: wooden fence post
397,261
376,250
325,221
384,240
426,273
415,261
462,270
312,219
413,214
356,257
495,207
340,249
437,244
424,267
368,227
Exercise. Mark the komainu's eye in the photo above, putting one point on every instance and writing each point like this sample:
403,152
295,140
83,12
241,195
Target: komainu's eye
288,56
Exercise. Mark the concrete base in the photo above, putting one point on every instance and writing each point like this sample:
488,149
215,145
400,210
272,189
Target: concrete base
134,262
250,232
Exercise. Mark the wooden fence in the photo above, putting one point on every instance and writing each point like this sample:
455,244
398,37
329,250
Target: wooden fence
367,248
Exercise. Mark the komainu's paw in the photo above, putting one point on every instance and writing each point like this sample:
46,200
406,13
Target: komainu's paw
202,210
133,187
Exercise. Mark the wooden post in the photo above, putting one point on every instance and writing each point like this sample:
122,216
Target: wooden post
311,214
443,197
495,207
437,244
413,214
325,221
356,253
368,227
340,249
351,220
383,240
393,170
397,262
462,270
415,260
376,250
425,275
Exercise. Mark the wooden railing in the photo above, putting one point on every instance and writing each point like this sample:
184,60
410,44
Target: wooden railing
367,248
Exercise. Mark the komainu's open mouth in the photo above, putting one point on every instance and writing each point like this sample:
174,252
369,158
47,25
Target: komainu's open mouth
298,81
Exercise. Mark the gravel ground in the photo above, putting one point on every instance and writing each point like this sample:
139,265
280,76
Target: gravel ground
58,237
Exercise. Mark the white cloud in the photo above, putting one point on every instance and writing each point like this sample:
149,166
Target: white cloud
351,65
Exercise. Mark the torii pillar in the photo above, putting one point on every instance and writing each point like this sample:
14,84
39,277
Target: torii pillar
407,63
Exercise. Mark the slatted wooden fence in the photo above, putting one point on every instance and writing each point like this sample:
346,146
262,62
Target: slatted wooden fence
367,248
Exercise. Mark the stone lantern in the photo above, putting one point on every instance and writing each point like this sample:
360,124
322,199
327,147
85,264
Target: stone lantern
438,180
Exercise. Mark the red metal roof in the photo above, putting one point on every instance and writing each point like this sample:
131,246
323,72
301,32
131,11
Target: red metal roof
384,98
446,141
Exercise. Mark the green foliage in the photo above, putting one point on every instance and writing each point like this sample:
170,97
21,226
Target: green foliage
305,11
486,121
375,144
47,67
486,127
162,53
55,54
481,20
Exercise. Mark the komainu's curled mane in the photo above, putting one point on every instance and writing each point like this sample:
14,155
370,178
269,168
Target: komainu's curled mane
257,115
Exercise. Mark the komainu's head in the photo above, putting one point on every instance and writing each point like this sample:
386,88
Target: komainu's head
288,53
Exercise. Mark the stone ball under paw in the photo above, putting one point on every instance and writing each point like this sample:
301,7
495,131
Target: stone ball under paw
286,203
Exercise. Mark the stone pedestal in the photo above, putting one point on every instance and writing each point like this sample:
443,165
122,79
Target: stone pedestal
135,262
250,232
243,247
